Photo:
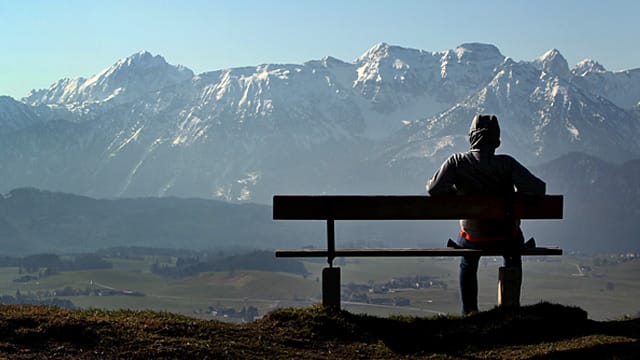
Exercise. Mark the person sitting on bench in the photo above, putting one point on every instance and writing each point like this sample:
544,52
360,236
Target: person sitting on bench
481,172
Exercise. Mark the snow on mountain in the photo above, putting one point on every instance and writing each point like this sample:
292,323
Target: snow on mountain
15,115
387,72
275,99
127,79
552,62
543,112
378,124
391,77
620,87
469,67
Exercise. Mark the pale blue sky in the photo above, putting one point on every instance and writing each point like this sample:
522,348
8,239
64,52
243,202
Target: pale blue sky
45,40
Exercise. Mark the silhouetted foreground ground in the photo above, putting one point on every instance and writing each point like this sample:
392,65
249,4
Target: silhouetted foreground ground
539,331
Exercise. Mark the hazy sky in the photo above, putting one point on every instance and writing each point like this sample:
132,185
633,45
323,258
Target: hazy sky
43,41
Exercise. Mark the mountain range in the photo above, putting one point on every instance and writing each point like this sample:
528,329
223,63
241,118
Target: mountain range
379,124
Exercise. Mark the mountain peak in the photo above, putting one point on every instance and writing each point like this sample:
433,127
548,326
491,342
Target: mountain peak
588,65
137,74
552,62
141,59
143,53
478,50
384,50
381,46
377,51
328,62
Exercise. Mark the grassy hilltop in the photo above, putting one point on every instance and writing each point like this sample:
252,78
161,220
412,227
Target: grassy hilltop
538,331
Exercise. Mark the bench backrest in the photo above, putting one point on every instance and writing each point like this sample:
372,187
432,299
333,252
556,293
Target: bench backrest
415,207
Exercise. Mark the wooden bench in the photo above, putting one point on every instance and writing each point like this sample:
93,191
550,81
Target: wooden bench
332,208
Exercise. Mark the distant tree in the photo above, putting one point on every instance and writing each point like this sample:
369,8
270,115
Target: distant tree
258,260
33,263
8,261
90,262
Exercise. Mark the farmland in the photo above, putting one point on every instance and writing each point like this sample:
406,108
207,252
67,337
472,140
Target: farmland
606,287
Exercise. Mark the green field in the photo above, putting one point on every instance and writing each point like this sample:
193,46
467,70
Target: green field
605,291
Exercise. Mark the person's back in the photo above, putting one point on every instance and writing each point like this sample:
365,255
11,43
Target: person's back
479,172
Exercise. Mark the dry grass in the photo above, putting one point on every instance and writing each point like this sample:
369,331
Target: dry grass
540,331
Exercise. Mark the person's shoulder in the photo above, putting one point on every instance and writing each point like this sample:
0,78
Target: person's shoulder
505,157
508,160
459,156
454,159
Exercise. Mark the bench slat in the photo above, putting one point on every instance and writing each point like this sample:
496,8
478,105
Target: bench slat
412,207
410,252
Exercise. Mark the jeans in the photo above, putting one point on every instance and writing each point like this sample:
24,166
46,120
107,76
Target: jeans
469,271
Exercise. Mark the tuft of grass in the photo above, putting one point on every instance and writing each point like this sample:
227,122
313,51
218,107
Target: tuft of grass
541,330
443,334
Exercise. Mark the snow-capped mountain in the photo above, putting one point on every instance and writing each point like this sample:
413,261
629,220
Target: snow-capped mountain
621,88
381,123
126,79
545,111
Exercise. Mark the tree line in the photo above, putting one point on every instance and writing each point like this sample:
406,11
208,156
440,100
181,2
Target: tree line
257,260
48,264
186,262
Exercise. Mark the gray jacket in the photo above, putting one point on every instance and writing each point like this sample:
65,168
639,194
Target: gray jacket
480,172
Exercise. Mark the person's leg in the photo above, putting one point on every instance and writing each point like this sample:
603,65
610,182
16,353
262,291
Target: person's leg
513,274
469,283
513,261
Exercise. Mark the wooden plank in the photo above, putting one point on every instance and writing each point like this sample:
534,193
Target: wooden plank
412,207
411,252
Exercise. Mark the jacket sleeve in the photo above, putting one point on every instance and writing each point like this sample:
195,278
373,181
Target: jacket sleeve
443,181
525,182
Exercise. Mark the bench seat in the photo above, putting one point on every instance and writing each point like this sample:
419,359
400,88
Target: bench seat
410,252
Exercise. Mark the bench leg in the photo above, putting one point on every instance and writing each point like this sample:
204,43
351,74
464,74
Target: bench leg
331,288
509,282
